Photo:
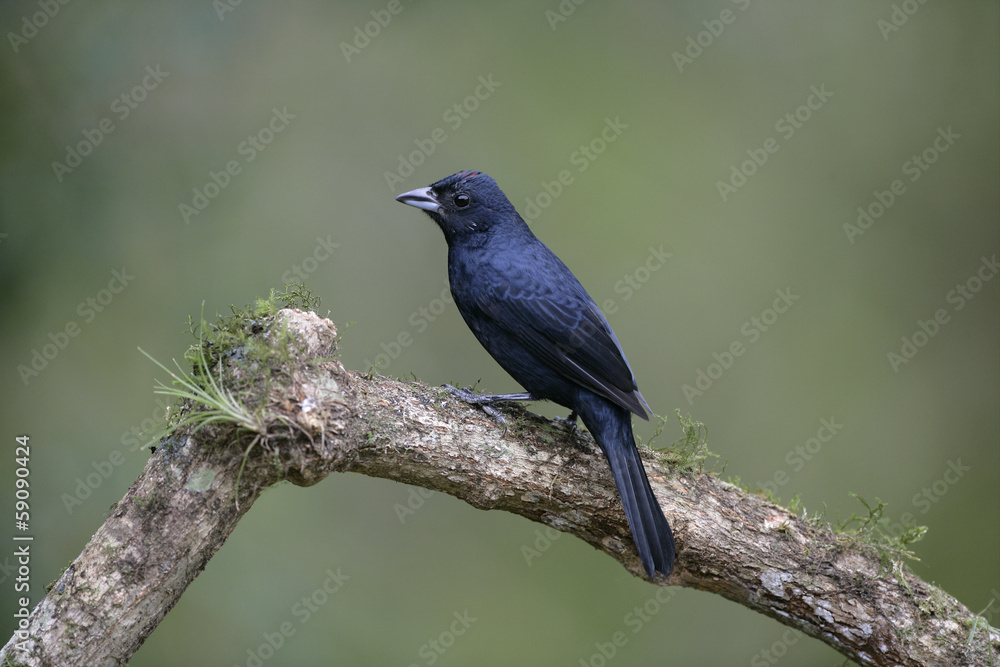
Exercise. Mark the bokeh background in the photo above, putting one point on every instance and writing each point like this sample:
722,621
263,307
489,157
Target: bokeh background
357,115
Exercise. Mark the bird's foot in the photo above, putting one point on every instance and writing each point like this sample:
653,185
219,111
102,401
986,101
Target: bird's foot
569,422
473,398
486,401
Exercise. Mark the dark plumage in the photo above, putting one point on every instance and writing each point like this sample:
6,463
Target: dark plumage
533,316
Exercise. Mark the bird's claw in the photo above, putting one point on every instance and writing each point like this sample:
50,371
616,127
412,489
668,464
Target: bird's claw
467,395
485,401
493,412
569,422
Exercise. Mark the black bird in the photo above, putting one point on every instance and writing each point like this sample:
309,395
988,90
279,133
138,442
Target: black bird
533,316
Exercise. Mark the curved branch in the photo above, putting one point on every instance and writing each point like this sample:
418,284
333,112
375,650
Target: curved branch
322,419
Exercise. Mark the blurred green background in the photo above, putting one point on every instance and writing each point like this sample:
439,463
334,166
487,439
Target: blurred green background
333,110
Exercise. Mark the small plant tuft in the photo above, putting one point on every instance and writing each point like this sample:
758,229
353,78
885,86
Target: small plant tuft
219,404
251,348
689,452
874,530
980,623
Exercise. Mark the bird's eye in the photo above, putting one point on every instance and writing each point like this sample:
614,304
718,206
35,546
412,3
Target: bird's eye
462,200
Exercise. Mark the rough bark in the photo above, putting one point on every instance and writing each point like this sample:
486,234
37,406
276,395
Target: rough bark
324,419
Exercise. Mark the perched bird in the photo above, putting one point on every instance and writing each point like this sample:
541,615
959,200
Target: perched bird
533,316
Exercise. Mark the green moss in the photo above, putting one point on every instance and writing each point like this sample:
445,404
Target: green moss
870,530
979,624
244,337
935,604
251,352
688,453
889,541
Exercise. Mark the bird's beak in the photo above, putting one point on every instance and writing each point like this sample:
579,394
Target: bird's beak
421,198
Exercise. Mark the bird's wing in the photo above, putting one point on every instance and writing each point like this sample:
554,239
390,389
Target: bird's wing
569,334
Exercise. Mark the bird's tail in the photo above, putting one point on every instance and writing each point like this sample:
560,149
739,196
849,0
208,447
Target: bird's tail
611,426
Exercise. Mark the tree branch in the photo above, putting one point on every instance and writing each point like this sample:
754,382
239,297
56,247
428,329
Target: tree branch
320,418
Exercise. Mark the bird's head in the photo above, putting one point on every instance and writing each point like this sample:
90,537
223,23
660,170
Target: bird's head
469,202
